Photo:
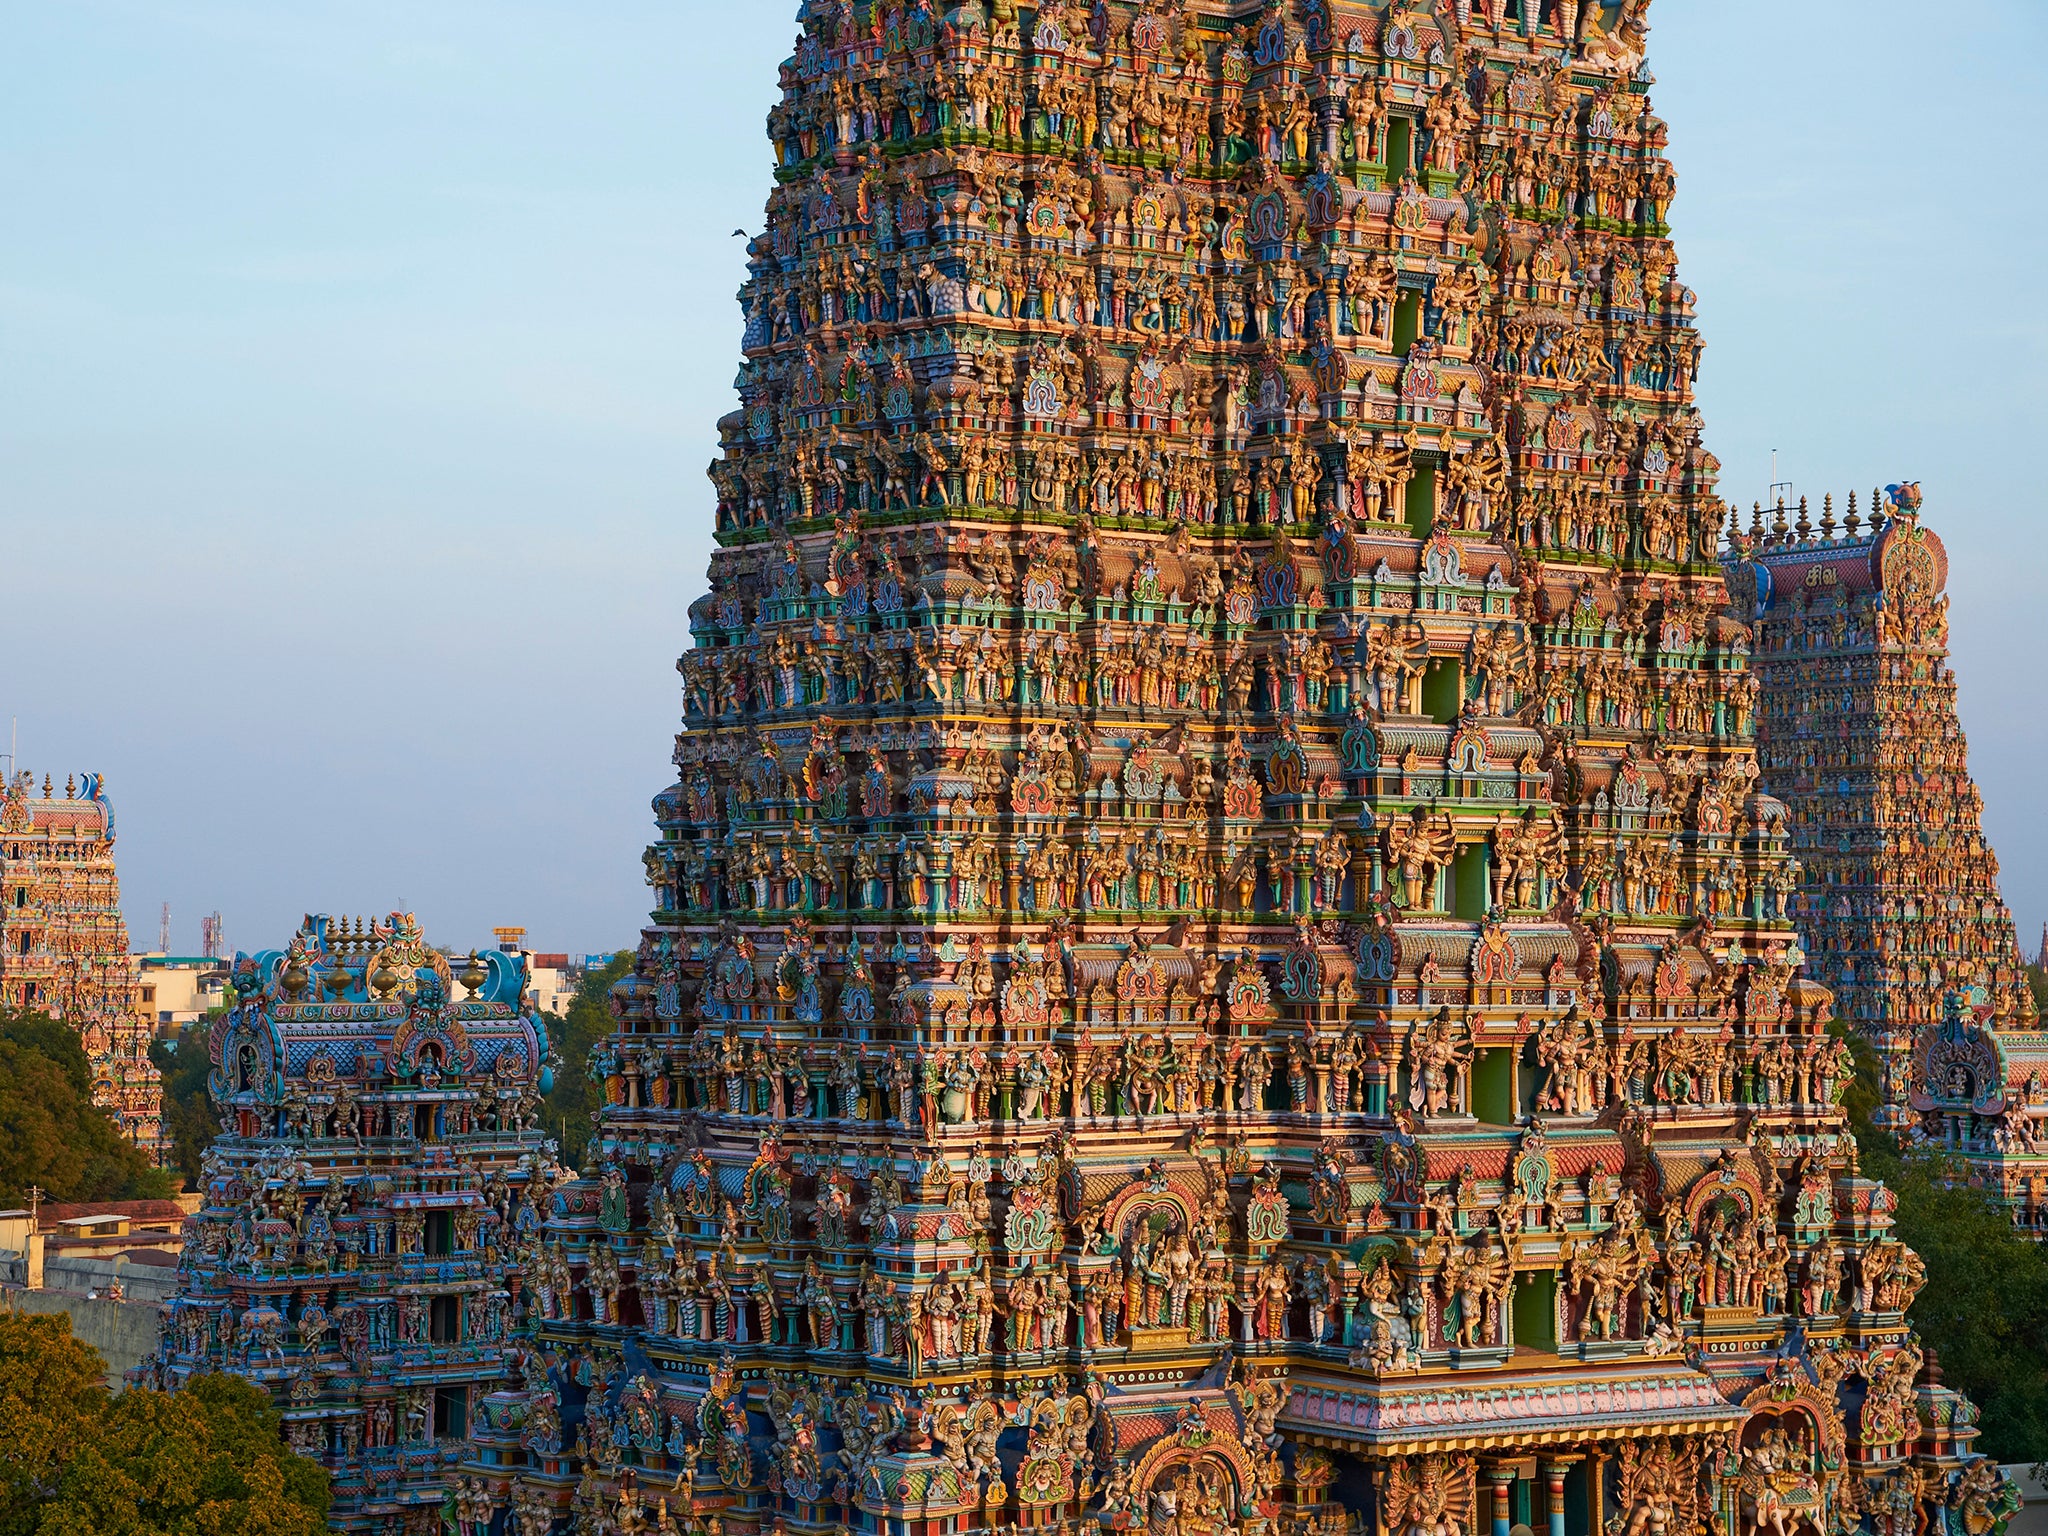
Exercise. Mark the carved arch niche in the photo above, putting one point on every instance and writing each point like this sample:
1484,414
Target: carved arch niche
1783,1484
1192,1489
1143,1211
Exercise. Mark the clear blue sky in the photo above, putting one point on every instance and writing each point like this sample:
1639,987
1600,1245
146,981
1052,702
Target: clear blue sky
359,366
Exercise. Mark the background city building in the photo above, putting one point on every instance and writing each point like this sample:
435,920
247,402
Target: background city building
109,1265
552,977
172,991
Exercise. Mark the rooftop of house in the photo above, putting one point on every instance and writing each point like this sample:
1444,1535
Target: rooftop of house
168,1214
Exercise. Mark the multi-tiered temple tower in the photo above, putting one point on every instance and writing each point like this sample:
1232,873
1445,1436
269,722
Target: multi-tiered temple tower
378,1171
1220,963
1900,906
64,945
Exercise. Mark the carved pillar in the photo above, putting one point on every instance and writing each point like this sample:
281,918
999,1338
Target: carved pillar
1502,1477
1554,1470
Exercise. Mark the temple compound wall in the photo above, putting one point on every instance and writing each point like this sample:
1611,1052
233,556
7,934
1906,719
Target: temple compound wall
123,1332
1899,903
64,944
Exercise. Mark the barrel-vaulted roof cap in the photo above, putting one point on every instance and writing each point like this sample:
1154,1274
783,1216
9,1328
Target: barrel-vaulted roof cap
361,1002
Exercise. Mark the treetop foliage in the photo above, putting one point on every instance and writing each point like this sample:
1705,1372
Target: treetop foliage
51,1132
1984,1310
188,1113
76,1460
573,1105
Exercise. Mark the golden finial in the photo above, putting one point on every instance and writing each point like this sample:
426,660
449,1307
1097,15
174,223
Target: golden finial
1827,516
1779,530
296,976
1853,522
1756,522
1804,527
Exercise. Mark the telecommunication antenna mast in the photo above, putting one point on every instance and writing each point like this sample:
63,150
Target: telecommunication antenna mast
1781,490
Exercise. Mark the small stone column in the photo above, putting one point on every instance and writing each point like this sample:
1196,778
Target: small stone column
1502,1476
1554,1469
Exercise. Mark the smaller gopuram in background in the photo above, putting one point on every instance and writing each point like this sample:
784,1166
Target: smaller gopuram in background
64,945
379,1172
1899,905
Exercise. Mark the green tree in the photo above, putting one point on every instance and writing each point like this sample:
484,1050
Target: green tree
574,1102
1860,1099
188,1113
51,1132
1984,1309
75,1461
51,1396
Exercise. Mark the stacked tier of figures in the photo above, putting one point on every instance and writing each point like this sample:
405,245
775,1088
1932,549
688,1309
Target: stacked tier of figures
1220,962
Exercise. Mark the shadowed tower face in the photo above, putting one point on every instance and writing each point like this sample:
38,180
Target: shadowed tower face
1219,960
1899,902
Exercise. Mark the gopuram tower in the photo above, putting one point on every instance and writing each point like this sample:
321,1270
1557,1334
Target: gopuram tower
378,1173
1900,905
64,944
1220,963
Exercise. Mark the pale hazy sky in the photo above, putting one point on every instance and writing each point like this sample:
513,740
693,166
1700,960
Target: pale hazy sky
359,366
